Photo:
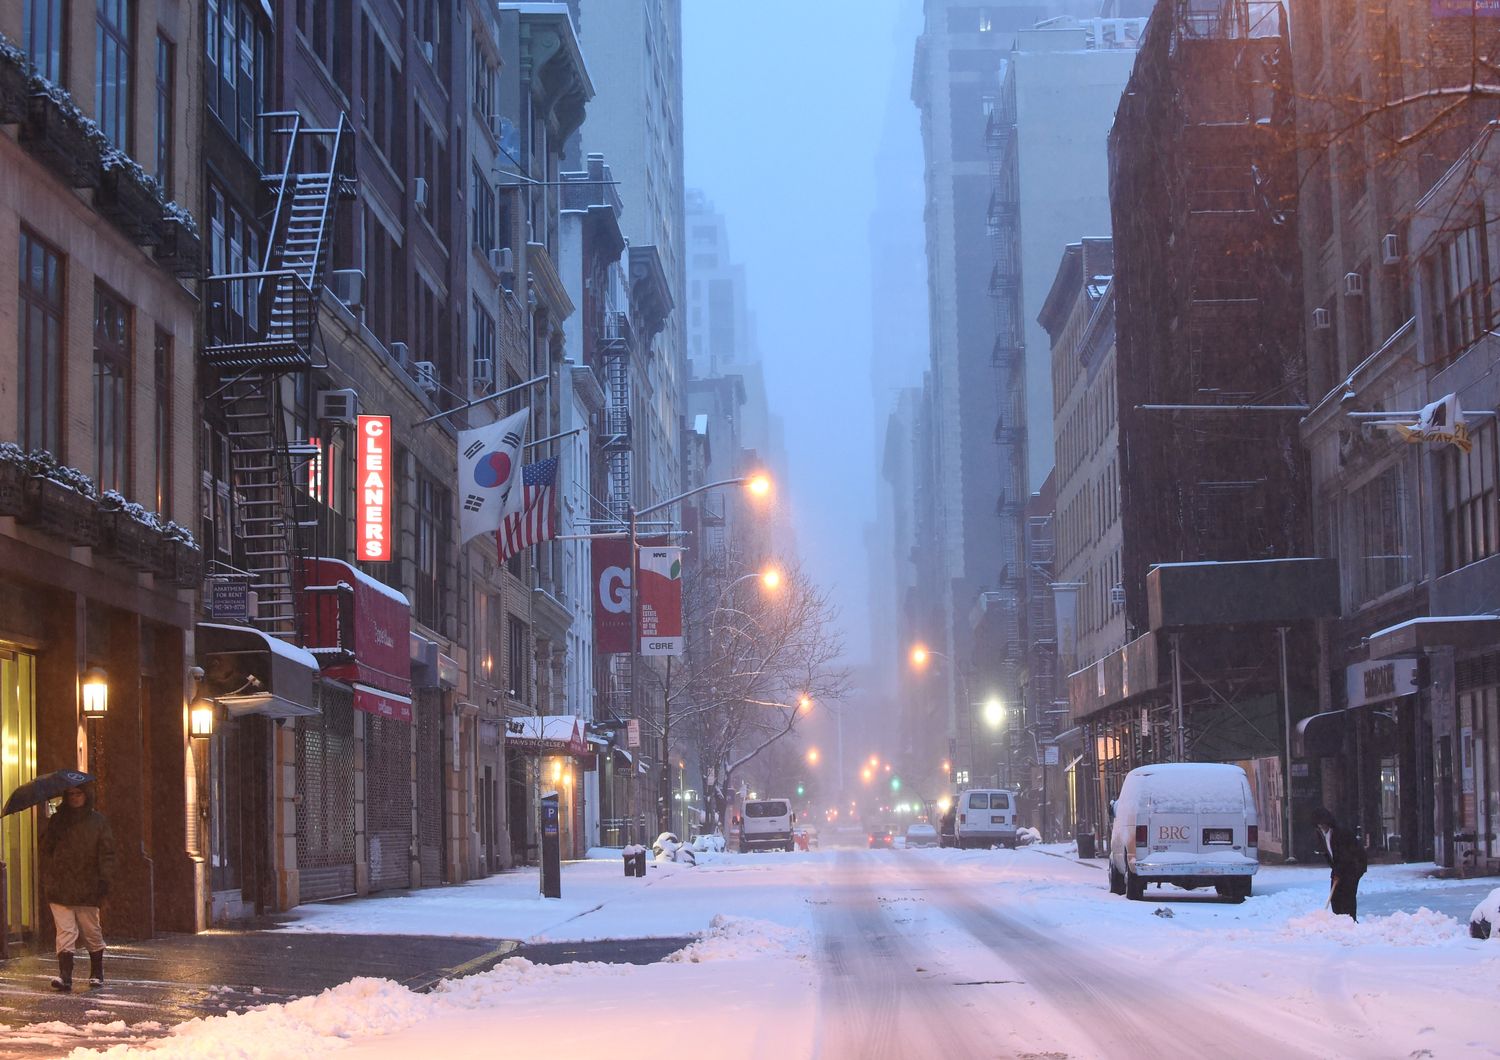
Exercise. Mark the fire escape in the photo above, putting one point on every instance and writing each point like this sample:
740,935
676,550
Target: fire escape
1041,625
615,345
260,331
1002,219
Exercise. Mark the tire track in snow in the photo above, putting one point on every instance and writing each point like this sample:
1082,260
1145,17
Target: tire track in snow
1123,1013
875,1003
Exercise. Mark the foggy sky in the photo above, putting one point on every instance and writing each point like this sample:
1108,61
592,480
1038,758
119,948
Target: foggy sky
785,103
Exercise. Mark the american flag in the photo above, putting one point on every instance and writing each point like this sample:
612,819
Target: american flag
536,521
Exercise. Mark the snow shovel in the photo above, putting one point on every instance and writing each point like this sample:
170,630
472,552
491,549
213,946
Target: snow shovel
1331,888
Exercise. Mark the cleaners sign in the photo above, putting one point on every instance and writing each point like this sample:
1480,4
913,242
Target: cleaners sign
373,496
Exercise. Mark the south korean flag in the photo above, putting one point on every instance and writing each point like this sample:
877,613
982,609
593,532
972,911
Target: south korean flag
489,475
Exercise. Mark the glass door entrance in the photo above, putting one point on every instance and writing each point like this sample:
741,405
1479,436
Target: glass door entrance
17,766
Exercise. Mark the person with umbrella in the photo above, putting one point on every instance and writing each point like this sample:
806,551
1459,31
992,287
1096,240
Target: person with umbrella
77,861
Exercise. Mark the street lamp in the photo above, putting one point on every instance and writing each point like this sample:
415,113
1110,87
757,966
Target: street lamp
994,712
759,485
920,656
812,756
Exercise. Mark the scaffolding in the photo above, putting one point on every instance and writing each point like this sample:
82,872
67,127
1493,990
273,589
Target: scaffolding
1208,283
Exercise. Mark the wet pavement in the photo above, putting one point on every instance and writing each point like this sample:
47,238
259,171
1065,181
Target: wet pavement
151,986
605,951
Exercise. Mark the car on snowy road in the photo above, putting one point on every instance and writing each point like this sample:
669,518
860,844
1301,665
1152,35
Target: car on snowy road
881,839
1192,824
919,834
767,824
986,818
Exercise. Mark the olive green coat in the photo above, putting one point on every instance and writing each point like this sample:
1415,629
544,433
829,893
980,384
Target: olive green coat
78,855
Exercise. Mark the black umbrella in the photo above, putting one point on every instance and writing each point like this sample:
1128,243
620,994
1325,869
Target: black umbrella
35,792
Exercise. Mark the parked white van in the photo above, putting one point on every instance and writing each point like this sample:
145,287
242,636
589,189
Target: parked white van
1188,823
767,823
986,817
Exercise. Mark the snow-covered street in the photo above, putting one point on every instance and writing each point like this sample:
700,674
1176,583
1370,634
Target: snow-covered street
856,953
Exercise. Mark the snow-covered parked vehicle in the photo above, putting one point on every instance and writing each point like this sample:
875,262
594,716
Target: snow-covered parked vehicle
669,848
767,824
1192,824
1484,922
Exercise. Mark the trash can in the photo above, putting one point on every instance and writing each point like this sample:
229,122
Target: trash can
635,861
1085,844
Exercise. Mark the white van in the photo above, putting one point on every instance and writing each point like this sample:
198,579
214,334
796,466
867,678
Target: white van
1188,823
986,817
767,823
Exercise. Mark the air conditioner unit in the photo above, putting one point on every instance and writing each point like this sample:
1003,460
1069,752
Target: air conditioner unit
400,354
502,260
425,373
1354,285
419,193
338,406
1117,595
1390,249
349,287
1322,319
482,374
429,50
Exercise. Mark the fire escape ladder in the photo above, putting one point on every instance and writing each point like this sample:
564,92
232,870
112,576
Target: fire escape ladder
261,476
260,328
616,348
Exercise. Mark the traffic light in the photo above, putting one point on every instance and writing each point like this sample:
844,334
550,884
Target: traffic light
895,783
801,790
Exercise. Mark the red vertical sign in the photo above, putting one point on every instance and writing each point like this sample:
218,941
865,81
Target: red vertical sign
611,595
373,498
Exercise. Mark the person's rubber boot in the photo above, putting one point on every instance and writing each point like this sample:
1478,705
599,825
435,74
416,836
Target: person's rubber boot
96,969
63,982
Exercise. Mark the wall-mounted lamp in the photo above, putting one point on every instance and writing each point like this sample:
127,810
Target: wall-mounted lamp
95,692
201,718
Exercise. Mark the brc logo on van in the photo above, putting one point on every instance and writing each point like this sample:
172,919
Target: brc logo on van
1172,833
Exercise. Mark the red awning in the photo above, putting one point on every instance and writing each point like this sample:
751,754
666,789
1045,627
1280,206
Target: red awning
357,626
560,734
386,704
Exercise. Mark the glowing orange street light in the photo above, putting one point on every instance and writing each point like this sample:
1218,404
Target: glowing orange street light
759,485
770,579
812,756
919,656
868,774
874,761
805,702
947,766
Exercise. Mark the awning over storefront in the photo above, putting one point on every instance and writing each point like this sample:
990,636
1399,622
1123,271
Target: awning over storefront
1462,632
386,704
559,734
1322,735
629,759
357,626
249,672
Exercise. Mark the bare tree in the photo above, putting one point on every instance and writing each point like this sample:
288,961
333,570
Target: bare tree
757,663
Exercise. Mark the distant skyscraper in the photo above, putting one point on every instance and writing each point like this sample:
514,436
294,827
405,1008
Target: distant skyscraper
955,80
718,324
634,55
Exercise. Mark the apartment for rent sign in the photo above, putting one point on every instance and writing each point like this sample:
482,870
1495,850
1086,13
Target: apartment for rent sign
373,521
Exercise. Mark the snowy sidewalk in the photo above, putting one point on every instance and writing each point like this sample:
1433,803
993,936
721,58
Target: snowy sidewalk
150,986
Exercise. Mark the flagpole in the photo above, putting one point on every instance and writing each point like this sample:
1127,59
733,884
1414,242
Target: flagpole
481,401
